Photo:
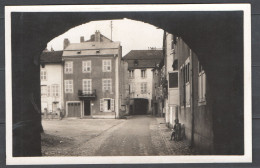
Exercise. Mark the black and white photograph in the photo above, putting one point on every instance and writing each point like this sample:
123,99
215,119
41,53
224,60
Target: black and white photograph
109,84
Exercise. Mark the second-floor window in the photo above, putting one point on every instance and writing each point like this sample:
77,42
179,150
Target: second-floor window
106,65
143,73
87,86
131,73
68,67
143,87
68,86
107,85
43,75
86,66
55,90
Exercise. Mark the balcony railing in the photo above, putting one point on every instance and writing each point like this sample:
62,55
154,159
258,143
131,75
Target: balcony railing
87,94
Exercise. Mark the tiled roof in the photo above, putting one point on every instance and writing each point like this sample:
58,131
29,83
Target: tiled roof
51,57
137,59
92,45
92,48
144,54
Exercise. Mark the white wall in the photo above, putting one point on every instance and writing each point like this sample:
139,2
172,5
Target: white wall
136,82
54,76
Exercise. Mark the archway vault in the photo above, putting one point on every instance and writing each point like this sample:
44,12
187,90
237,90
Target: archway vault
216,37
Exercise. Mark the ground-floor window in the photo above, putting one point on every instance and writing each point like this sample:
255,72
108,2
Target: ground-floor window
107,105
201,85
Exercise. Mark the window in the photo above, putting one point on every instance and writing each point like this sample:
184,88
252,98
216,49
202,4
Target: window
107,85
143,73
87,86
49,91
131,73
143,87
68,86
43,75
86,66
68,68
131,88
55,90
106,65
107,105
173,80
185,80
43,90
201,84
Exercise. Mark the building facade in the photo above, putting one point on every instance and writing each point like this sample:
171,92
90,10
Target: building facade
91,77
141,64
187,90
51,81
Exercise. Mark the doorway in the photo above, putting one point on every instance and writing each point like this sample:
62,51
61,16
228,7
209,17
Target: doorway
87,108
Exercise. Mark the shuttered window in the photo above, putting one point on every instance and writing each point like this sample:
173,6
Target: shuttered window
101,105
112,104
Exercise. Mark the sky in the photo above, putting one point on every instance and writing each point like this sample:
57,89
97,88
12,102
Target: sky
133,35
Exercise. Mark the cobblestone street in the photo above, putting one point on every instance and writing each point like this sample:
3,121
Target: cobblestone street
136,136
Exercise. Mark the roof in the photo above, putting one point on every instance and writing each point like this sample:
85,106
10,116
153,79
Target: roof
51,57
144,54
137,59
92,45
92,48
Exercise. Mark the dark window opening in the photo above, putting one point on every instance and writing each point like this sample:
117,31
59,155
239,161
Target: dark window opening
173,80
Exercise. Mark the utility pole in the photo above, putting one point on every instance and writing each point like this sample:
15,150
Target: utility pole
111,26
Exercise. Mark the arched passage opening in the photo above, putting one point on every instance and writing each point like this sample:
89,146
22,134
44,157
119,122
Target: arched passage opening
216,38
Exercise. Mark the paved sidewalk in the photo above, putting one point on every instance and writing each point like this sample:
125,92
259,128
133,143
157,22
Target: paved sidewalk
175,147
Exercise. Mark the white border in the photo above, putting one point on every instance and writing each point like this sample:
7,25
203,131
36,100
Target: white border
133,159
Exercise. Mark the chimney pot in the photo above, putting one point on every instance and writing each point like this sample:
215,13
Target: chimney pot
66,43
82,39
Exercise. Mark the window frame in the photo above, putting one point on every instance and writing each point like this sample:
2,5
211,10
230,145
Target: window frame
70,68
105,65
202,85
90,86
66,85
43,75
143,75
85,65
103,84
55,90
131,73
144,89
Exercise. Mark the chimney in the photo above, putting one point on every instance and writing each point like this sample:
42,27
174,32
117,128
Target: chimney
66,43
97,36
82,39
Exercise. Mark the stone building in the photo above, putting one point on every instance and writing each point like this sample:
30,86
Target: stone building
140,78
187,90
51,81
91,77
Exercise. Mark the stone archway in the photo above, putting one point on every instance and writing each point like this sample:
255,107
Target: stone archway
216,37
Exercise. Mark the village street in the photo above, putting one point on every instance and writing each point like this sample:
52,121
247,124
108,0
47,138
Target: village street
135,136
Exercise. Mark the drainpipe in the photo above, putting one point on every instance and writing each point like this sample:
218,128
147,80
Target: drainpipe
192,99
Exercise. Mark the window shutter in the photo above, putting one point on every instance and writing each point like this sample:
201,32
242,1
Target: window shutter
101,105
112,104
